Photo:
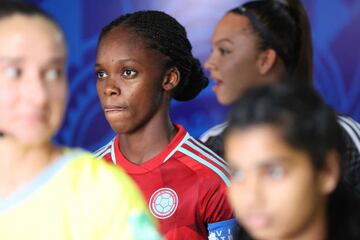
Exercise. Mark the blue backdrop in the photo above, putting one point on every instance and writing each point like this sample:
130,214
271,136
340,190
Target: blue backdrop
336,35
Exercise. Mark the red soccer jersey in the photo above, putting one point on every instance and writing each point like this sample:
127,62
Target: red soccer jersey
185,187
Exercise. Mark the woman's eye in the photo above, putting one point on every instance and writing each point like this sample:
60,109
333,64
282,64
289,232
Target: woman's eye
101,74
52,74
223,51
238,175
129,73
12,72
276,172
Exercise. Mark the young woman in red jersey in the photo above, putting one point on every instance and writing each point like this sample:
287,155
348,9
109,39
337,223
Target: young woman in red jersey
143,61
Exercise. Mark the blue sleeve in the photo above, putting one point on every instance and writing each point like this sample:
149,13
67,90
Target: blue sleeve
222,230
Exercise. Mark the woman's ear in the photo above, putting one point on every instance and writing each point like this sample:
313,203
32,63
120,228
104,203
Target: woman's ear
330,174
171,79
266,61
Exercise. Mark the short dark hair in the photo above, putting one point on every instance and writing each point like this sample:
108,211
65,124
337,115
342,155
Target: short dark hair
283,26
166,35
298,112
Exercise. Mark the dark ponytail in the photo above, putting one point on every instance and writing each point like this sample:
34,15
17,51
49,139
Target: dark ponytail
304,68
166,35
283,26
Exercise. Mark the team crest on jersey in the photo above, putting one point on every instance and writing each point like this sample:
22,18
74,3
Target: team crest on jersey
163,203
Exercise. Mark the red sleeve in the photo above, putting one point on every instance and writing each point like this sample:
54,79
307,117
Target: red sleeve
213,202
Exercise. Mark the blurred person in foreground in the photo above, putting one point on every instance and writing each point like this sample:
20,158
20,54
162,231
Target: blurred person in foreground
48,191
284,146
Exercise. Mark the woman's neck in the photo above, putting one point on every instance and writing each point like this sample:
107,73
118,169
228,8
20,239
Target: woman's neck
19,163
148,141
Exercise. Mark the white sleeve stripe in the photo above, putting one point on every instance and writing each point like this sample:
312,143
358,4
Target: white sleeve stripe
355,127
352,122
209,150
351,131
186,137
112,150
104,153
102,149
214,131
211,158
207,164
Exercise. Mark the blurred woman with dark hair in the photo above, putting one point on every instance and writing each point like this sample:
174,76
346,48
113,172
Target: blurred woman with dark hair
284,146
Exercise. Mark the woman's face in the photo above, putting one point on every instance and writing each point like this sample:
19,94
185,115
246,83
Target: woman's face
129,80
33,85
275,191
233,63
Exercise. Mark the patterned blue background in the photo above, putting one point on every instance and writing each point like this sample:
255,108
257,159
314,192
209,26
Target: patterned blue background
336,35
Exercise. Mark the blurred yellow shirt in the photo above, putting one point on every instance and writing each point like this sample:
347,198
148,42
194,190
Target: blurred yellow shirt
77,197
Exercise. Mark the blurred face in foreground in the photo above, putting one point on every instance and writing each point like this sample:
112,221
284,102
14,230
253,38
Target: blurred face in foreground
275,190
33,84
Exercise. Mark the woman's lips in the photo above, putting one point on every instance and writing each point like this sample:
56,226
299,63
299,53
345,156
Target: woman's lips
217,84
114,109
257,221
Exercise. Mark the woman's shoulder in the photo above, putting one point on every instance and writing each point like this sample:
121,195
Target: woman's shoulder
351,128
351,156
85,169
344,213
198,157
214,131
214,139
